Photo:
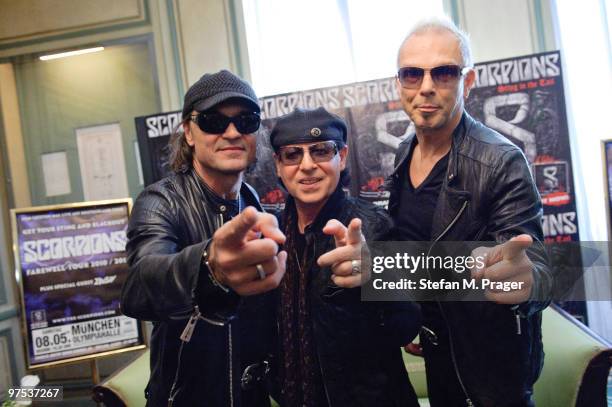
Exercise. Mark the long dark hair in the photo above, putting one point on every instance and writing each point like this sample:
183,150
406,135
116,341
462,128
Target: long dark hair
180,154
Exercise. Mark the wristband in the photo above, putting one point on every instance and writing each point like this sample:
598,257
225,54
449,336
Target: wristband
211,275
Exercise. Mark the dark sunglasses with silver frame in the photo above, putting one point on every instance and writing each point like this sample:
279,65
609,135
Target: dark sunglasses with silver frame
411,77
217,123
319,152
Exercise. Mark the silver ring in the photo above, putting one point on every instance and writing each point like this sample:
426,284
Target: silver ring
355,267
260,271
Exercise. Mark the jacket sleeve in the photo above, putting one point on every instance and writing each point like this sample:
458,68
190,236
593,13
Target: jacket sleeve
164,279
517,209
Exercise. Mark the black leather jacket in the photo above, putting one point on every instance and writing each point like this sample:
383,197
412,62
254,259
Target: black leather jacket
170,225
358,343
496,350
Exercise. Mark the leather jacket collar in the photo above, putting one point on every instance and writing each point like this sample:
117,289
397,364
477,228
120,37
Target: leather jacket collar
458,136
331,210
216,202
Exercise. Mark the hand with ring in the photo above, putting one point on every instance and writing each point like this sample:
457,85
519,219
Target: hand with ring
345,260
242,261
355,267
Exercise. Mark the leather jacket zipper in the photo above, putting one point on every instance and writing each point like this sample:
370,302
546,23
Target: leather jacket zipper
185,338
190,327
517,318
450,225
323,379
231,367
220,221
468,400
229,342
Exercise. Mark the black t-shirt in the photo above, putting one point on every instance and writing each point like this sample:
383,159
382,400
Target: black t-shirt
417,205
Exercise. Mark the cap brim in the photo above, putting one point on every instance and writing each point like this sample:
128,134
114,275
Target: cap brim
222,97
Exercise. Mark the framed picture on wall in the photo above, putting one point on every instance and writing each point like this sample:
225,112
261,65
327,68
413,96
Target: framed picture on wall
606,152
103,172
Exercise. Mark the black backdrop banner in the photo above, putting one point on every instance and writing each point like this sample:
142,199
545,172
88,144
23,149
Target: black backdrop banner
520,97
153,133
523,99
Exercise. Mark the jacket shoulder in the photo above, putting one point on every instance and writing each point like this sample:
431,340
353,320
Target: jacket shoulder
405,143
485,145
160,198
165,185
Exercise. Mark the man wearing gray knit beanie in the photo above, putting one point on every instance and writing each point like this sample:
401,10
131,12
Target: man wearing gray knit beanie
198,268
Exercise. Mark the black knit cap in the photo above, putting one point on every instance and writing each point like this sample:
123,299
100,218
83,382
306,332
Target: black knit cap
308,126
212,89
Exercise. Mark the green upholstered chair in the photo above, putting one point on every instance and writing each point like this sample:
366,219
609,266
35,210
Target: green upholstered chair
126,386
576,365
416,369
576,369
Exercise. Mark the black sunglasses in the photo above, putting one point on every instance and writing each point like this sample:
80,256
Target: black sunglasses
319,153
444,76
217,123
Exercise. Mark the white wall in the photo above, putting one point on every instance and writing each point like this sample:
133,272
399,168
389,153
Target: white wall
583,34
505,28
211,37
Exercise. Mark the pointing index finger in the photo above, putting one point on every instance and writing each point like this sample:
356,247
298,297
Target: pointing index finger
354,232
234,232
268,226
514,247
338,230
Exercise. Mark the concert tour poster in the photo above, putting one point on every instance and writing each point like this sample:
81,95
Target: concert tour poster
70,266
